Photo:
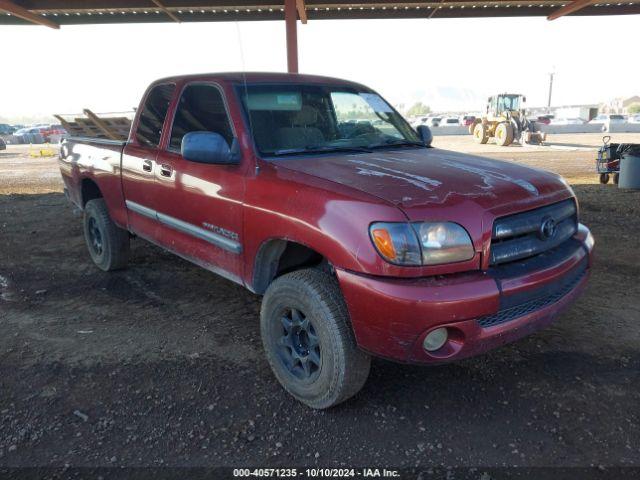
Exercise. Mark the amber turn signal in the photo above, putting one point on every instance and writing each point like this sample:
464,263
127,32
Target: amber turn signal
397,242
384,244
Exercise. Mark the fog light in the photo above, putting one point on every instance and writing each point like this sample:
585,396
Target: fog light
435,340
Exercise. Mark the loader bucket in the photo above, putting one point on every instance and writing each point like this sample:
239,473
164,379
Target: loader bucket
534,138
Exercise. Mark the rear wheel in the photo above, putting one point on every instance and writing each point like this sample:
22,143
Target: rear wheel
108,244
504,134
604,178
308,339
481,133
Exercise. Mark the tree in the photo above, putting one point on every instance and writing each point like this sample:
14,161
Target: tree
418,108
634,108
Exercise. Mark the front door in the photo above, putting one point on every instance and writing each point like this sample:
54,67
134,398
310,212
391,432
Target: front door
200,205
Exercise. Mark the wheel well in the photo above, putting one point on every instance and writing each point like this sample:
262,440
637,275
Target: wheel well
89,191
277,257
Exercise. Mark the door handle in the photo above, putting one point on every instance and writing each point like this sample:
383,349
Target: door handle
147,165
165,170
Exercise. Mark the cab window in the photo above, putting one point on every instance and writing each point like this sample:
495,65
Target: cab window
153,114
201,109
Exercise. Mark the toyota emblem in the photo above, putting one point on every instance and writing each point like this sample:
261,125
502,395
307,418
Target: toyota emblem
547,228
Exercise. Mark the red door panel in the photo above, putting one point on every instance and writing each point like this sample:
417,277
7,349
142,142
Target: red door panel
200,212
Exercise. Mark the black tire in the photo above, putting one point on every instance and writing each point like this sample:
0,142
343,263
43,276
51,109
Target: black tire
107,243
604,178
616,178
337,368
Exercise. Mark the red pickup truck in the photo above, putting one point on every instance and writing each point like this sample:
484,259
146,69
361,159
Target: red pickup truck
363,238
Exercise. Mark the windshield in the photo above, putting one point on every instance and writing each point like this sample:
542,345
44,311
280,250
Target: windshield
508,102
294,119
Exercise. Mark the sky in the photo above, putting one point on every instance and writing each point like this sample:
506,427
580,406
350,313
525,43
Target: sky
449,64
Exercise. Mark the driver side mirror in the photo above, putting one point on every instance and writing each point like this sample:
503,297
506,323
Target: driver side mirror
209,147
426,137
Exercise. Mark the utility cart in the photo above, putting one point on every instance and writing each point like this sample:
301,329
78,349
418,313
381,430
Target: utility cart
608,161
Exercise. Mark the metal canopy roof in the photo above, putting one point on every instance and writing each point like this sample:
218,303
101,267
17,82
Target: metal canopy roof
69,12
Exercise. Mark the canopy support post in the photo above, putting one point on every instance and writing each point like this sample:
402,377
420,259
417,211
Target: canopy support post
291,20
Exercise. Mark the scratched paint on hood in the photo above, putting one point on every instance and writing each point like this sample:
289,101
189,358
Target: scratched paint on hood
489,177
378,173
419,181
423,177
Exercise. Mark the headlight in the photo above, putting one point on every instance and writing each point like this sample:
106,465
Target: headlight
445,242
421,243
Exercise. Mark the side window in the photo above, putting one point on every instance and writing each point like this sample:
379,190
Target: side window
153,114
200,109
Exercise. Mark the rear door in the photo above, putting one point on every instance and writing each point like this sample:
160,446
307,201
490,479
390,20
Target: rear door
200,205
139,162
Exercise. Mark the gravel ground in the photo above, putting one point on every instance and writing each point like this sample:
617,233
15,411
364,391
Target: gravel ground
161,364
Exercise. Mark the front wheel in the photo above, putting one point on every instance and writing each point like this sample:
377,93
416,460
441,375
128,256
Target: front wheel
481,133
108,244
504,134
308,339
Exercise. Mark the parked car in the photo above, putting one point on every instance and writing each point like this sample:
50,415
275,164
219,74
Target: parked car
543,119
362,245
53,133
419,121
449,122
30,135
6,129
433,121
428,121
568,121
634,119
468,120
29,130
608,118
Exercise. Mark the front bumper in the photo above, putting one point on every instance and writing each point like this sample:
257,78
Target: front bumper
481,310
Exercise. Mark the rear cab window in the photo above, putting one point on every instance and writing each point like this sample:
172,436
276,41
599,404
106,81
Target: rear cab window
152,116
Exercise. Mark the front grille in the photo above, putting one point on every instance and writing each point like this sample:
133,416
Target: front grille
529,233
538,300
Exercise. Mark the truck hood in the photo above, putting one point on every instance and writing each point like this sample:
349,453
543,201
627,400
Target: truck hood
413,179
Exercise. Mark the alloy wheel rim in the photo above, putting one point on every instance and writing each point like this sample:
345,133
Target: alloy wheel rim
299,346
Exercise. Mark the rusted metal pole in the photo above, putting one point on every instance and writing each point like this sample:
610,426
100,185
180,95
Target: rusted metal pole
291,19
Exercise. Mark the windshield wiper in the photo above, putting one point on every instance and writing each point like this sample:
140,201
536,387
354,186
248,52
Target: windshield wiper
396,143
316,149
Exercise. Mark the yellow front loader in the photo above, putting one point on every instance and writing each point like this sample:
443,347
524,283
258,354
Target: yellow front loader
506,121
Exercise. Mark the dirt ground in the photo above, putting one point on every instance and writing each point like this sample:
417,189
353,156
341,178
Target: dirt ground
161,364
